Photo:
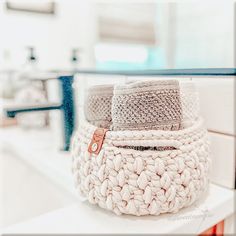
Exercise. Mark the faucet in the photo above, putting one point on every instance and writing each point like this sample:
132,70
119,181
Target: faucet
66,107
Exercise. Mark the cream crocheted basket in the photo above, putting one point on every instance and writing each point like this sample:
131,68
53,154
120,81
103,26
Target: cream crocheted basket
150,181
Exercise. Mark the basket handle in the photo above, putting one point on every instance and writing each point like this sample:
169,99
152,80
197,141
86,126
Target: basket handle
147,143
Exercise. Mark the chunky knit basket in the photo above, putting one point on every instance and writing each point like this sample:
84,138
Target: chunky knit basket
142,182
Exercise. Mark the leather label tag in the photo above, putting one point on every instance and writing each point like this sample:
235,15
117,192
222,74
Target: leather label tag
97,141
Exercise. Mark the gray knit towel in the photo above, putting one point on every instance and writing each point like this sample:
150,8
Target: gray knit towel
98,105
148,105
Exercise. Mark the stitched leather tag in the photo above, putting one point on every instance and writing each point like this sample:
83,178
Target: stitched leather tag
97,141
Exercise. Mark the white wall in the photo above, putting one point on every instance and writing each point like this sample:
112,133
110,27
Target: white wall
190,34
196,34
53,36
204,34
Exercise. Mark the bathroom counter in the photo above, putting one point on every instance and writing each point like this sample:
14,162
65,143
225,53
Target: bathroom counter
36,148
83,218
40,149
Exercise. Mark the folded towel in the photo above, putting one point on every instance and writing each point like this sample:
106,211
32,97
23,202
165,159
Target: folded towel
148,105
98,105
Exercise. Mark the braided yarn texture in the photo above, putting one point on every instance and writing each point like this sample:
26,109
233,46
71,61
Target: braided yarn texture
147,182
98,105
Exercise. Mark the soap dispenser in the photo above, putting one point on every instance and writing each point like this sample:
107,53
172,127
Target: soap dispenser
74,59
28,68
31,91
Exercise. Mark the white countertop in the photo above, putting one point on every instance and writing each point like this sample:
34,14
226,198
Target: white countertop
83,218
39,148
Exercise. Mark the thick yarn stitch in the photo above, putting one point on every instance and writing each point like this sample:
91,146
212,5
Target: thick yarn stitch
147,105
98,105
127,181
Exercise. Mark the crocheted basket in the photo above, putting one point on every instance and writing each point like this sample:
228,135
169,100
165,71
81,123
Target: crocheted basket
142,182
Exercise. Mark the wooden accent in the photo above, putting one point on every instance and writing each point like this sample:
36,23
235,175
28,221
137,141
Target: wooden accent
220,228
216,230
210,231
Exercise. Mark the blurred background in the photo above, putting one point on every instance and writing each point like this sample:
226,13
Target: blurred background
41,40
108,34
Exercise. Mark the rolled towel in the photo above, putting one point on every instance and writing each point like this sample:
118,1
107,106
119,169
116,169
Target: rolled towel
147,105
98,105
190,103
